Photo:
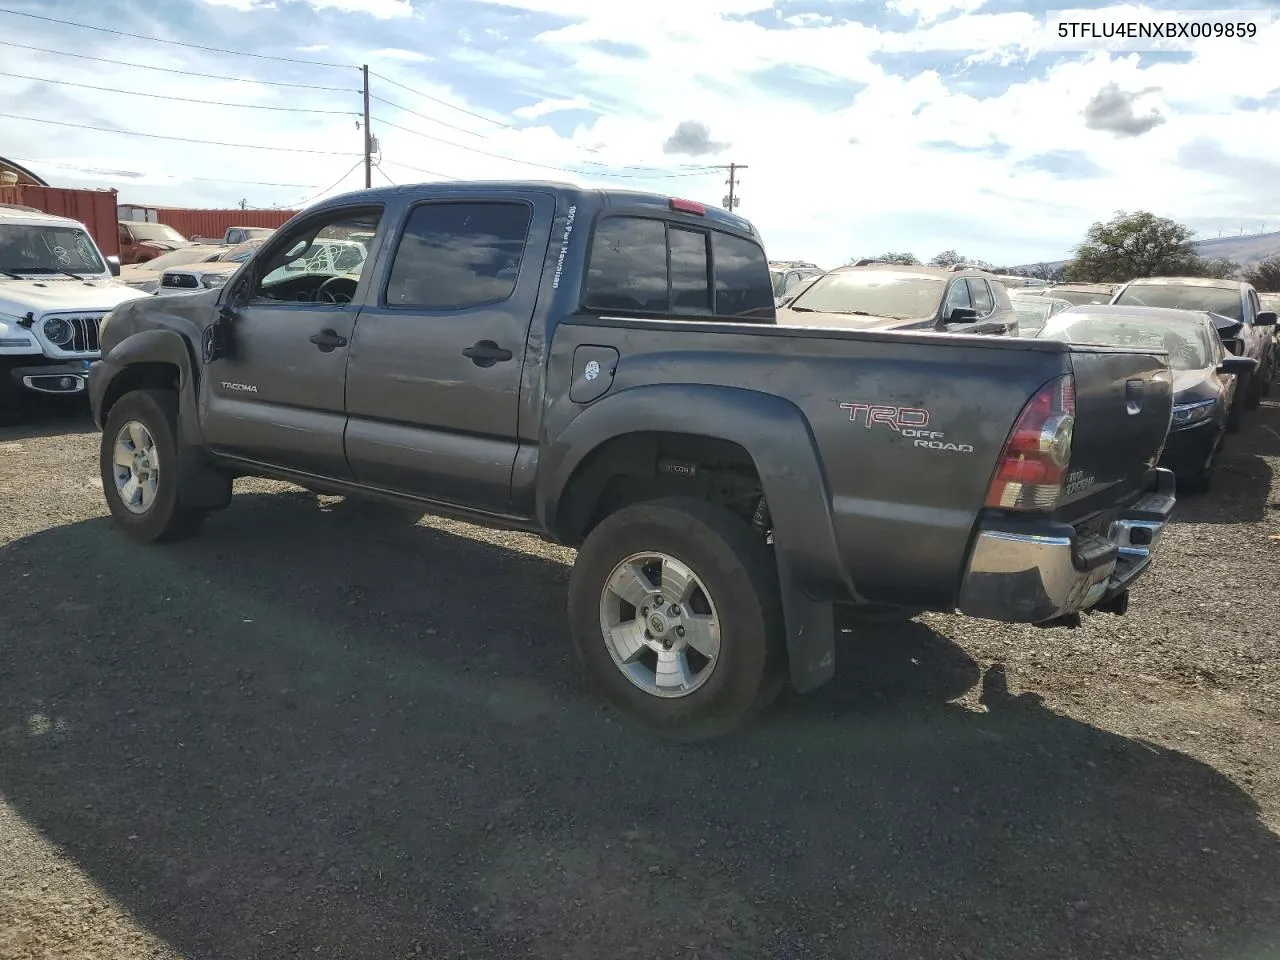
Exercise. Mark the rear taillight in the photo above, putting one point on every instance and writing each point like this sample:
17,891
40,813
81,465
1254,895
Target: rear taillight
1033,464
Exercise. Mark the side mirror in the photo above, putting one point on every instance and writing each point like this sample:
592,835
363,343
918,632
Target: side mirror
963,315
113,264
1265,319
1238,366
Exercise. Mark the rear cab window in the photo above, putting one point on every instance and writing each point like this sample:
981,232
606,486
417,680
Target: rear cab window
647,265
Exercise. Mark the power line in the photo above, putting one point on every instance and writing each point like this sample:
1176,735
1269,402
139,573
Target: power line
374,96
378,167
185,73
531,163
433,173
135,173
165,96
443,103
157,136
354,167
176,43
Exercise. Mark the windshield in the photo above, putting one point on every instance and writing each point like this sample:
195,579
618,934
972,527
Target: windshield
1187,341
332,257
878,293
51,249
156,231
1179,297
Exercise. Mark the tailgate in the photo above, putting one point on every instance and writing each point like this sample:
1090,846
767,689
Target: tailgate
1124,401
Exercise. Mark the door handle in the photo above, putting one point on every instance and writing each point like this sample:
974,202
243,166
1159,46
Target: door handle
486,353
328,340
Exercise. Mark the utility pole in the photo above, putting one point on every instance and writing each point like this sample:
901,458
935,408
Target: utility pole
368,136
732,200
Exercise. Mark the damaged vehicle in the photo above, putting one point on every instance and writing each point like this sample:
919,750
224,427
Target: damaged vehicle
605,369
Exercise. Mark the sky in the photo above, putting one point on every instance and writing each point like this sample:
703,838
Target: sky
918,125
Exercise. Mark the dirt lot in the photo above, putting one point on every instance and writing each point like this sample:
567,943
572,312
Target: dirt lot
320,731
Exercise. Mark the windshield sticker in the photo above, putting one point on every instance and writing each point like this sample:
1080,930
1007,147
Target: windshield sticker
564,245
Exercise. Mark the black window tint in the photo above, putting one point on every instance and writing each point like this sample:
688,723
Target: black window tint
628,266
743,286
981,294
457,255
690,288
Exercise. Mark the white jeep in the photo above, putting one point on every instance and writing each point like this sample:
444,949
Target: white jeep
55,287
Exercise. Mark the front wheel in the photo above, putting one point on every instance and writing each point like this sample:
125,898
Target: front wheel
675,612
138,458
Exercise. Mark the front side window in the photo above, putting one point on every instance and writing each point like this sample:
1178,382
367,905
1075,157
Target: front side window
318,262
981,294
36,249
454,256
958,298
1223,301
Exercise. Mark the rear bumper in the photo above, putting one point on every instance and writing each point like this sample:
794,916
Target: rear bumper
1032,571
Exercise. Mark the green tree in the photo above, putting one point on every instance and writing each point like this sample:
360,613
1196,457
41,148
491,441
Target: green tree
1134,245
1266,275
949,258
1220,267
908,259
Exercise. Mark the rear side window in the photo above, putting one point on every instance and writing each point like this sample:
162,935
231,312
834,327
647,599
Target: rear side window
639,265
743,288
453,256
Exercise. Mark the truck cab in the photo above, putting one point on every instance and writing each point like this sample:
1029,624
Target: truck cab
55,287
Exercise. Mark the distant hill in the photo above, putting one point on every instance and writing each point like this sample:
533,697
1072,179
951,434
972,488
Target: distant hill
1248,251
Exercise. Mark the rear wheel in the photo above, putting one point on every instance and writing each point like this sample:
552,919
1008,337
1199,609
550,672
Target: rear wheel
675,612
138,459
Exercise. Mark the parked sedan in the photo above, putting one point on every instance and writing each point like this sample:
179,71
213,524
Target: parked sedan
885,296
1204,375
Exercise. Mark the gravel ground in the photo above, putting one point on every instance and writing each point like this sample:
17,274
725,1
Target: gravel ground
318,730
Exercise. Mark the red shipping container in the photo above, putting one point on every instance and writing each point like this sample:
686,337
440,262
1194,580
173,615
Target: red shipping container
214,223
96,209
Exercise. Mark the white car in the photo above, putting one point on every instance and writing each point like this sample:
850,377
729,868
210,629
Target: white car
324,256
205,274
146,276
55,287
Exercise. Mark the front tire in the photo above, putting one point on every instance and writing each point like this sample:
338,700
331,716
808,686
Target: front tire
138,459
675,612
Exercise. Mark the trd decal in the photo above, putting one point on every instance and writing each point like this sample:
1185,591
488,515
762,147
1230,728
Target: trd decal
908,422
895,418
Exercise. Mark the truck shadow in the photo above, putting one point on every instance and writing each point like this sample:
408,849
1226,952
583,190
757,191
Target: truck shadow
318,732
49,417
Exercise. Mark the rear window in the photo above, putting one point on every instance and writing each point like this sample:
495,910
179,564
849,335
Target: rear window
641,265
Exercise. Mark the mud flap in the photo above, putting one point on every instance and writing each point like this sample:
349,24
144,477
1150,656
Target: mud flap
811,635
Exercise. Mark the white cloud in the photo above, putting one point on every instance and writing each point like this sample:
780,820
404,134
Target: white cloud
378,9
394,53
544,107
814,192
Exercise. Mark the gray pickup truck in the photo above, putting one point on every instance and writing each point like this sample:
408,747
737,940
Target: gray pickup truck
604,368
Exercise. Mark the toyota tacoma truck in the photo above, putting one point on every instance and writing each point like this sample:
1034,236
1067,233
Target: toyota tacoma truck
55,286
604,368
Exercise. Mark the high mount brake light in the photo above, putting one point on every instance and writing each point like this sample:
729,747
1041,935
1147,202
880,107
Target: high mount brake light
689,206
1033,464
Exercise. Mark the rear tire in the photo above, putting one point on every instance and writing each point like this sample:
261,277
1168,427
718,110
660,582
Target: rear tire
729,579
156,515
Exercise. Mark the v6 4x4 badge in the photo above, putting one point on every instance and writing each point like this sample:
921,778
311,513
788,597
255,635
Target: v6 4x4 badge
909,422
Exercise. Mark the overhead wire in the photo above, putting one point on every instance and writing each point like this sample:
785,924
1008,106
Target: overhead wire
178,43
433,173
443,103
533,163
185,73
165,96
399,106
135,173
157,136
333,186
